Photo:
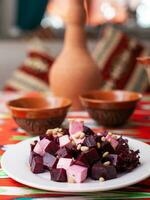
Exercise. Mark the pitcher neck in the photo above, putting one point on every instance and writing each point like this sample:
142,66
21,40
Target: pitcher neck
75,36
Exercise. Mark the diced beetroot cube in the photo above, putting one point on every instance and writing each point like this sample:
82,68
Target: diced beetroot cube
82,160
113,158
106,146
33,145
37,149
90,141
105,133
98,138
64,163
37,165
42,136
98,170
32,155
113,142
111,172
41,146
56,140
49,161
49,137
52,148
76,173
92,156
64,152
66,131
72,149
64,140
75,126
58,175
87,130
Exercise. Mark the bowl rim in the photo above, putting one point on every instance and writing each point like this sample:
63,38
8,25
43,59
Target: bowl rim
82,97
11,107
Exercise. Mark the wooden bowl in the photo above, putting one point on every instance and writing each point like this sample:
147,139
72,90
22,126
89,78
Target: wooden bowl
110,108
37,114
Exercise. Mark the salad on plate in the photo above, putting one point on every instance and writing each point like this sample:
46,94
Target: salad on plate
76,153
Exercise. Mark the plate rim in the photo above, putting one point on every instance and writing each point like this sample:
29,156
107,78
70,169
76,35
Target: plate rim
10,175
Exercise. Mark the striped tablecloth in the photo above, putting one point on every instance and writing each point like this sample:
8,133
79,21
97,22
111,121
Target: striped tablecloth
137,127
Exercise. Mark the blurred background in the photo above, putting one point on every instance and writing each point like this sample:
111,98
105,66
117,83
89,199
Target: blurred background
22,20
21,17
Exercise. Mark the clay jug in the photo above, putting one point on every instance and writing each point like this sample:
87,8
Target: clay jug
74,72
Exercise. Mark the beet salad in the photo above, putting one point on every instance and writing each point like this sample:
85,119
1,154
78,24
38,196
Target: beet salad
77,153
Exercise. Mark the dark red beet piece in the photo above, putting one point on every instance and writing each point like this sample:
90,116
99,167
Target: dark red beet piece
106,146
64,152
49,161
33,145
82,160
66,131
104,133
49,137
72,149
98,138
90,141
32,155
92,156
37,165
58,175
111,172
127,159
56,140
42,136
52,148
97,171
113,158
88,131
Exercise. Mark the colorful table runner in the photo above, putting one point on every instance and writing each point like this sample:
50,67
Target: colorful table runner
137,127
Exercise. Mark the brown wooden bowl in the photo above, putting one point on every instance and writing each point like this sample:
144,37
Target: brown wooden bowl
37,114
110,108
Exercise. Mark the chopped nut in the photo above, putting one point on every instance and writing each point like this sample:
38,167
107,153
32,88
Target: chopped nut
98,145
103,139
84,148
101,179
105,154
49,132
82,135
106,163
79,147
54,131
71,179
77,135
59,134
55,135
109,133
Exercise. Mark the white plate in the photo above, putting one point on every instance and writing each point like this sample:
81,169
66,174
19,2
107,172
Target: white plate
15,163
